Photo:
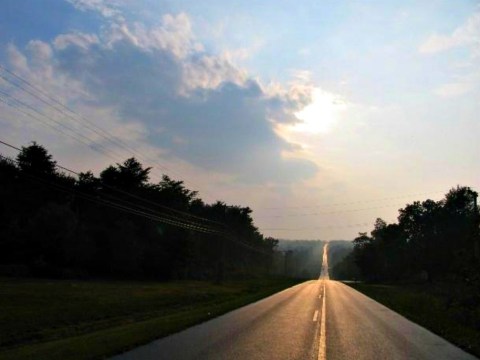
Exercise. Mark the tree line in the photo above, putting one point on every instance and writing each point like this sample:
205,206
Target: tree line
119,224
301,258
432,241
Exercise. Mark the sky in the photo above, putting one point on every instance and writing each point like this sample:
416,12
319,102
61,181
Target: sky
319,115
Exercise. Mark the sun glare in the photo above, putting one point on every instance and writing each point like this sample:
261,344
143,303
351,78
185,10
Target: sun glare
320,115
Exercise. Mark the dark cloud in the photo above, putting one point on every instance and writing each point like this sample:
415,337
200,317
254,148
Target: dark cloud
225,128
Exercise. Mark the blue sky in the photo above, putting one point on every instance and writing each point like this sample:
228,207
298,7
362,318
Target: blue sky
291,108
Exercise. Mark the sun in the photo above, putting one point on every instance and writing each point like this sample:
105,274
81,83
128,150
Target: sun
320,115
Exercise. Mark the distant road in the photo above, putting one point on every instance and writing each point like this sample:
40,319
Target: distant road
302,323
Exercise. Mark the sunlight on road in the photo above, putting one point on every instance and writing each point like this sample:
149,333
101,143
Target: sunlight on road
324,271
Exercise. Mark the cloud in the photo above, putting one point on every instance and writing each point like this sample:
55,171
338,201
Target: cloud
468,34
453,89
40,50
106,9
466,76
174,34
16,58
77,39
321,114
208,72
162,78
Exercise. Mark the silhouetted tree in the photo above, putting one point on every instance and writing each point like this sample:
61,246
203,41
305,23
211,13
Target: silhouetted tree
434,238
100,226
36,160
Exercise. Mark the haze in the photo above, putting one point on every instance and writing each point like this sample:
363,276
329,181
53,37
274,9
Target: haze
320,116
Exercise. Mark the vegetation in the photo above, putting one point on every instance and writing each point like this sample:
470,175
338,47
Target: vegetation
338,250
426,266
431,305
119,225
431,241
64,319
302,258
108,229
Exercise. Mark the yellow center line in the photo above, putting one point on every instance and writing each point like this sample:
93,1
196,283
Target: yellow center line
322,349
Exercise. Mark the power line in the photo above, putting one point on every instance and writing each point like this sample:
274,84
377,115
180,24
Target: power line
351,202
47,100
248,246
108,202
82,120
177,222
328,212
132,195
10,146
18,149
110,187
91,127
15,105
317,227
174,222
275,216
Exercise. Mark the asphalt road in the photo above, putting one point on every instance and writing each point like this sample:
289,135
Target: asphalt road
360,328
320,319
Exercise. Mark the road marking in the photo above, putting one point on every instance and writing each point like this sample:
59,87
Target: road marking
322,349
315,316
319,296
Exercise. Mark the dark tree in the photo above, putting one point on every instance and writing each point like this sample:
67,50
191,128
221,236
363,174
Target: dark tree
131,174
36,160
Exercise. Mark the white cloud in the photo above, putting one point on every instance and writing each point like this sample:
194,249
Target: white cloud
211,112
321,114
107,9
77,39
298,92
468,34
173,34
305,76
465,73
119,31
17,59
208,72
176,35
453,89
40,50
436,43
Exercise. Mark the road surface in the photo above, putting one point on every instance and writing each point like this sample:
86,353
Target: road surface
316,320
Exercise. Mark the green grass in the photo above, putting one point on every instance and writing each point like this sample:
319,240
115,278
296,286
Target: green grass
431,306
58,319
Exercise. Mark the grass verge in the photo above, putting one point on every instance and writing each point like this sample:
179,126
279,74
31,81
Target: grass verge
431,307
45,319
